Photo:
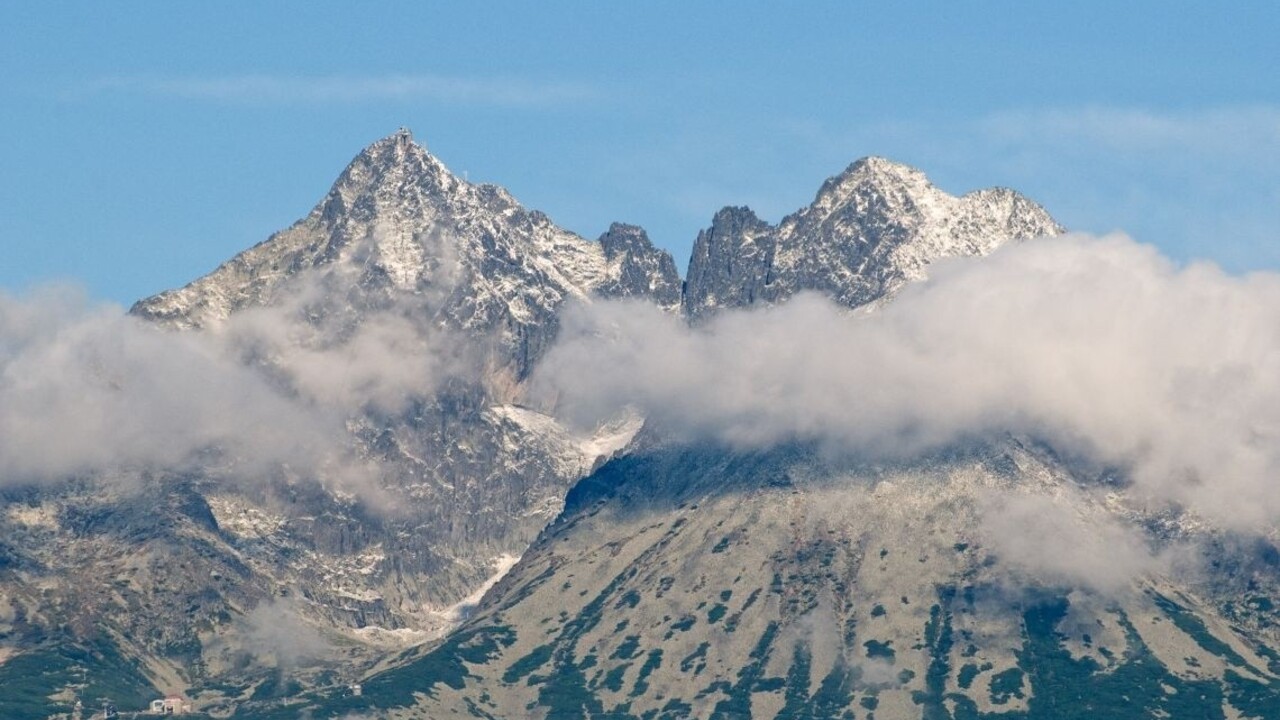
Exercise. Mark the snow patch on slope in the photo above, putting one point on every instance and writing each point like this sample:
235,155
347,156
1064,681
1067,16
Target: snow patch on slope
460,610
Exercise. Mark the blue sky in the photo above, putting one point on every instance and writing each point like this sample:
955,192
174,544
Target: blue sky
144,143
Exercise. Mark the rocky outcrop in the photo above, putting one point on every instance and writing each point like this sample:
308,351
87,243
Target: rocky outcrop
637,269
870,230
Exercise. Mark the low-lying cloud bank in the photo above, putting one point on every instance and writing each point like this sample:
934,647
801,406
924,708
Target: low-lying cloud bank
1055,542
87,390
1100,345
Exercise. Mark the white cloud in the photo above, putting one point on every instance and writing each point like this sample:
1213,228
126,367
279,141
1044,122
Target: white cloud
89,390
85,388
1060,543
1249,133
346,89
276,633
1099,345
342,364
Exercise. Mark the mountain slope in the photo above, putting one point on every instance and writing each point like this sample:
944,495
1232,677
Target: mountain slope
715,583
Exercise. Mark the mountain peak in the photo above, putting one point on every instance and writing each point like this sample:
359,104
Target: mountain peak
398,224
876,164
399,149
869,230
623,237
393,172
638,269
874,172
400,141
735,215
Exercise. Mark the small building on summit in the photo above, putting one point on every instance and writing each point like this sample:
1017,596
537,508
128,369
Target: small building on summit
172,705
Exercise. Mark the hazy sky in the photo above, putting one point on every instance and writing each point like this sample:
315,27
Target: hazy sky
146,142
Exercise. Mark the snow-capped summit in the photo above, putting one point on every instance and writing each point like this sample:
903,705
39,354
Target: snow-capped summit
398,221
398,163
871,229
870,170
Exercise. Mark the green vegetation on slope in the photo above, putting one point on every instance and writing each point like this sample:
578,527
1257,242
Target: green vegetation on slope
95,668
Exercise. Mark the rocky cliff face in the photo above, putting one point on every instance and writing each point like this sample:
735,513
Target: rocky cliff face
471,476
398,223
871,229
639,269
177,572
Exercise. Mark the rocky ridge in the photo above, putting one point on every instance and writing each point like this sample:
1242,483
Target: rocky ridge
398,221
870,230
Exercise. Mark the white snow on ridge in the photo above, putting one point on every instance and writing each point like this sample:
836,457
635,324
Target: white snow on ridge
574,452
394,209
459,611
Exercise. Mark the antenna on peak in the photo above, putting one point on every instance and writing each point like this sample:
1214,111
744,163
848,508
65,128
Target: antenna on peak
403,137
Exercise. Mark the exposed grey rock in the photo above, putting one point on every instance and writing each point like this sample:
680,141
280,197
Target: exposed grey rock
643,270
871,229
398,222
731,262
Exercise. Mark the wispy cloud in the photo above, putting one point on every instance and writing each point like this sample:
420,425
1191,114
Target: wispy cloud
1243,138
1204,181
1248,131
337,89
